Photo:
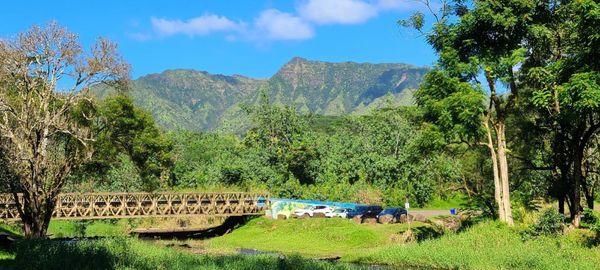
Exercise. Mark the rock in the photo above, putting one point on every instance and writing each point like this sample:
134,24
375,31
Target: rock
417,217
369,220
281,216
319,215
303,216
450,223
404,218
386,219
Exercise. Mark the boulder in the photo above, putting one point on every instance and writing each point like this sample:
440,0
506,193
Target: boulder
319,215
418,217
369,220
386,219
404,218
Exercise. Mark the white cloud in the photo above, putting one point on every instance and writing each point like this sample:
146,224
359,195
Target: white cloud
276,25
272,24
337,11
203,25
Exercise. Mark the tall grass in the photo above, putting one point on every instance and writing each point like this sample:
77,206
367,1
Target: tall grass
489,245
123,253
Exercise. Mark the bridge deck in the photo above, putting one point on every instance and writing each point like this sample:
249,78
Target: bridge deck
139,204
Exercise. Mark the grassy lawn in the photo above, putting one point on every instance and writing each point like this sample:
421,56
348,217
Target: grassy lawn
456,201
490,245
309,237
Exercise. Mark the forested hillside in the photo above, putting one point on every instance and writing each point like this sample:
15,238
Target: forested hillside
199,101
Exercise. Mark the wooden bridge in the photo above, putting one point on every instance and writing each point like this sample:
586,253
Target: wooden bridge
136,205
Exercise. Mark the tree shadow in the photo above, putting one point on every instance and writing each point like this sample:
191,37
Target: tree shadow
49,254
226,227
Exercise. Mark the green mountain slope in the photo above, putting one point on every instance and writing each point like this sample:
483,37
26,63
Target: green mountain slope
197,100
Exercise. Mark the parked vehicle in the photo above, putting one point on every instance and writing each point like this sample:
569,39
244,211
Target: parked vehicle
365,211
339,212
319,210
391,215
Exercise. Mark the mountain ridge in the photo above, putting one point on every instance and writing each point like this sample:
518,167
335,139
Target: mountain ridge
201,101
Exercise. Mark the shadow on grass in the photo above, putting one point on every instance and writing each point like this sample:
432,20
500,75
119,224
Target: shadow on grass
226,227
48,254
422,233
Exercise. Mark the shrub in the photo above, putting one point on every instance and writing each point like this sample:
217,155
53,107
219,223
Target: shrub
550,222
591,220
80,227
45,254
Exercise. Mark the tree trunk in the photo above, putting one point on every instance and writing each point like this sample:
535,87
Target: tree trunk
589,181
561,204
588,192
497,186
503,168
36,215
562,187
576,189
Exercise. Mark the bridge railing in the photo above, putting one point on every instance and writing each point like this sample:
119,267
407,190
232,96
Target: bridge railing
140,204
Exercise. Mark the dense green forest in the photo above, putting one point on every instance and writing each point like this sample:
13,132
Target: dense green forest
387,156
381,157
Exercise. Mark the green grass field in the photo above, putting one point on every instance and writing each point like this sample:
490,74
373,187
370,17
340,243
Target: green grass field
485,245
309,237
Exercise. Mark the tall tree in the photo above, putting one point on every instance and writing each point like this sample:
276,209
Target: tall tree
122,128
563,85
44,77
281,132
483,39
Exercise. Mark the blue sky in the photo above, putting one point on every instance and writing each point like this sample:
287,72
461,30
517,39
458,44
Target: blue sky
247,37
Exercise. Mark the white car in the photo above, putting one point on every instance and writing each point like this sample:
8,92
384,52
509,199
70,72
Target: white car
312,210
338,212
